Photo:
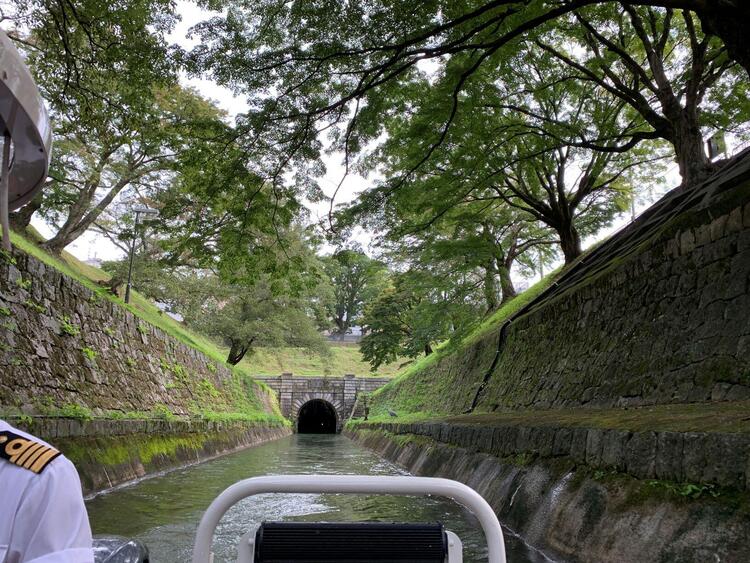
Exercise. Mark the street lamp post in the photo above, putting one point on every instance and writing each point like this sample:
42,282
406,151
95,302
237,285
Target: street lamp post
138,212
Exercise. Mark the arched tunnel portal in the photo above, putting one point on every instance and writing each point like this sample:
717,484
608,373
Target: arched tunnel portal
317,416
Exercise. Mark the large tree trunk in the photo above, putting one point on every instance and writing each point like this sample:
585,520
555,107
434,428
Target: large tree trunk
490,286
570,242
237,351
81,216
688,145
21,219
506,284
728,21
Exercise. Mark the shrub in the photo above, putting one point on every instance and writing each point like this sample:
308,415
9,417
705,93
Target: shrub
78,412
67,327
90,353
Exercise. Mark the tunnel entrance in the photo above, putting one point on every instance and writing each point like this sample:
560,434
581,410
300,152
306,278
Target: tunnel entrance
316,417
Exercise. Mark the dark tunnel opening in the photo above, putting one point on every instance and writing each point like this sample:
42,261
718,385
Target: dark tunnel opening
316,417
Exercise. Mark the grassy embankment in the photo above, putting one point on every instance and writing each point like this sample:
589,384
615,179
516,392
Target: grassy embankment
265,361
344,358
428,388
237,407
438,381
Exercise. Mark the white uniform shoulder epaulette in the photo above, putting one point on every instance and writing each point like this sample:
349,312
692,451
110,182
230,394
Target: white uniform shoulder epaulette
26,452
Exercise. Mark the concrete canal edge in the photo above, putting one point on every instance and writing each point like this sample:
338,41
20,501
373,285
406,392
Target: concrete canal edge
573,511
111,452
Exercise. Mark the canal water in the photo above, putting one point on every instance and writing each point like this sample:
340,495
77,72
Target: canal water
164,511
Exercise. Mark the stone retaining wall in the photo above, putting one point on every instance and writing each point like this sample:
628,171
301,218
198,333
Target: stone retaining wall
63,344
721,459
667,325
573,516
109,452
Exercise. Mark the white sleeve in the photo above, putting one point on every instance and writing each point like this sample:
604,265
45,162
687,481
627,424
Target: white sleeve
51,524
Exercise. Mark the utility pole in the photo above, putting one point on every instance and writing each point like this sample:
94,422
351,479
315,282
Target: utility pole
138,212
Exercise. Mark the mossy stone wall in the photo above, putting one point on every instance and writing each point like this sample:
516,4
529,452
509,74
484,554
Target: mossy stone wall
61,344
110,452
576,514
667,323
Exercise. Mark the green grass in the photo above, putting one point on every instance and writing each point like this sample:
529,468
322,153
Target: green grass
730,416
724,417
343,359
424,384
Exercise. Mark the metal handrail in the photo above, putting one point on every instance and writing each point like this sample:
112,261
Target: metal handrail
350,484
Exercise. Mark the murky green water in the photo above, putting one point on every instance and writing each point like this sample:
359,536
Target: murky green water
164,511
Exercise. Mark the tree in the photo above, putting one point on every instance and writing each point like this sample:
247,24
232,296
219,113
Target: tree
315,66
409,317
245,317
78,50
139,154
356,279
513,143
658,63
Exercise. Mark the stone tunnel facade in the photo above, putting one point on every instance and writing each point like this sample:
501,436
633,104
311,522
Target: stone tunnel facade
341,393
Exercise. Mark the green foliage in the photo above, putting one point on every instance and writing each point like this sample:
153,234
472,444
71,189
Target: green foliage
409,318
90,353
4,311
109,332
130,362
24,284
206,391
31,304
73,410
428,385
266,313
687,490
356,279
142,328
67,327
163,412
7,258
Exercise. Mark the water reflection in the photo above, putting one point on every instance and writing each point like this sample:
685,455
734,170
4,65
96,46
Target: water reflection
164,511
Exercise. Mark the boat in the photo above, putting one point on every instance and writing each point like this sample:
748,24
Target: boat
326,542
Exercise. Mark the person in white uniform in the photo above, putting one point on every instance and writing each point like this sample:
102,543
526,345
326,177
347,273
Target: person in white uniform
42,515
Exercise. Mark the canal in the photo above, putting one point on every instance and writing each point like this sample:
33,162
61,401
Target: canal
164,511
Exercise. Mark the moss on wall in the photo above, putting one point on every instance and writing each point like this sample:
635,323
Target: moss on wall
661,324
106,460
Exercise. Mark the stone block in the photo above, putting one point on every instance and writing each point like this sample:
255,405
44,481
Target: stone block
594,445
734,221
614,453
562,442
687,242
716,458
717,227
668,463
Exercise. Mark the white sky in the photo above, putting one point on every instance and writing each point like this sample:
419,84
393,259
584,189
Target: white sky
93,246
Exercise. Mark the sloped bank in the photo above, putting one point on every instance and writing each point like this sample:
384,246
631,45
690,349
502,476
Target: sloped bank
656,314
111,452
576,513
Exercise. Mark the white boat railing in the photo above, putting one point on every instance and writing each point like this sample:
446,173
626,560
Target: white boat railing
350,484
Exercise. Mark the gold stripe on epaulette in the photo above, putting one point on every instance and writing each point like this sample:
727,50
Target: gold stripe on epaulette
44,459
25,452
